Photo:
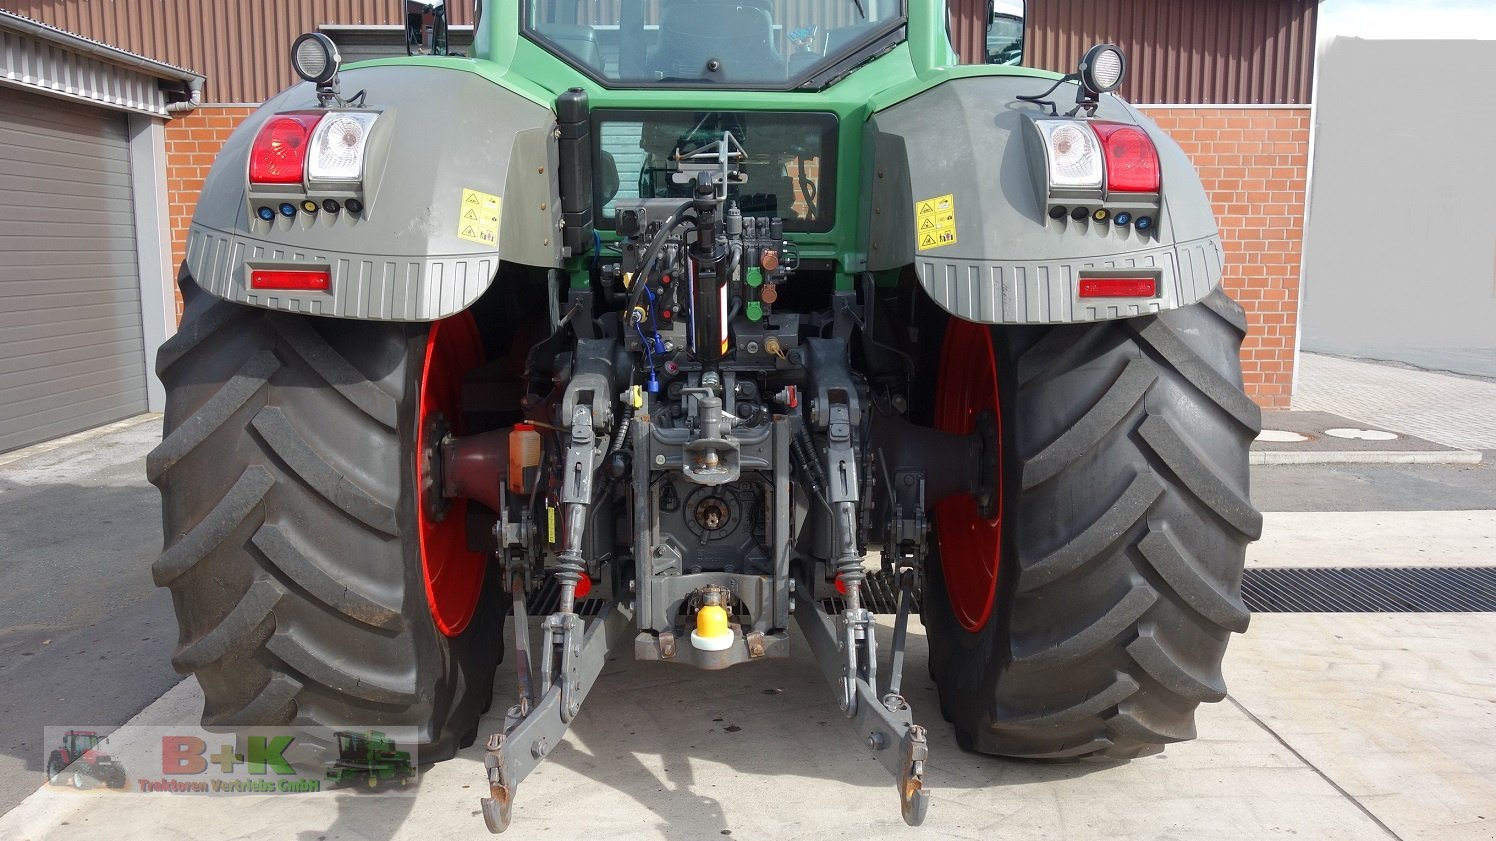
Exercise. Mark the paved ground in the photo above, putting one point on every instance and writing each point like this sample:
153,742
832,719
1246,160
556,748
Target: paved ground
1376,487
1450,409
1302,437
85,636
1345,726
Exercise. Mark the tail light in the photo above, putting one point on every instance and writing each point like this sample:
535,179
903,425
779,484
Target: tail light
279,153
338,144
300,280
1073,153
1131,159
1086,158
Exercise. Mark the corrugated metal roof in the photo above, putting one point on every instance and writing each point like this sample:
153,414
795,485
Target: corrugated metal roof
1228,52
45,59
40,29
1181,51
242,47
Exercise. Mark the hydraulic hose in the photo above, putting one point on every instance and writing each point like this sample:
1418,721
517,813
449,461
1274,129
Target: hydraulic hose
641,279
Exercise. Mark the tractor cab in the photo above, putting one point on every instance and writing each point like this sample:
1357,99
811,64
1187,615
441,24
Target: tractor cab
79,742
769,44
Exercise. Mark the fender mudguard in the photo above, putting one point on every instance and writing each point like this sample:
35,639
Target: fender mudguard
444,135
1001,259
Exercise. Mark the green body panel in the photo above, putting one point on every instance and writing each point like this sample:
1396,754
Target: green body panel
912,124
508,58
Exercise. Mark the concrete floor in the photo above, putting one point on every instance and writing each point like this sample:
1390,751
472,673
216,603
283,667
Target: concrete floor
1343,726
1348,727
85,636
1454,410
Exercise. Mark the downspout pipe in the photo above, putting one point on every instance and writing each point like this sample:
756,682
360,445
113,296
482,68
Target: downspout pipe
193,100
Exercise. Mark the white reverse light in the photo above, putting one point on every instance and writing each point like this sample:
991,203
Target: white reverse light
338,146
1074,154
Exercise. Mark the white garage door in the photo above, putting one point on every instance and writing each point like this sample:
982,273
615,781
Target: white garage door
72,354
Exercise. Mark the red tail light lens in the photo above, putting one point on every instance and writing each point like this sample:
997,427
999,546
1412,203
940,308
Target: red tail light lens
1118,287
1131,160
301,280
278,155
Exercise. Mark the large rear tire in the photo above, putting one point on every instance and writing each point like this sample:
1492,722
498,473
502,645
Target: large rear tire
1114,557
291,508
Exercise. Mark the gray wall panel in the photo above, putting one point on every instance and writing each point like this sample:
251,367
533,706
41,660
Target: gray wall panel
1400,260
72,351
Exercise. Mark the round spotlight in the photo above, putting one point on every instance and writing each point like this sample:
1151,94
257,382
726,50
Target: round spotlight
315,58
354,206
1079,214
1144,223
308,206
266,214
1057,213
1102,68
330,205
1122,218
1101,215
287,209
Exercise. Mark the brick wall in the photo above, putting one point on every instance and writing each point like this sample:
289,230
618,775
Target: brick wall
192,142
1254,163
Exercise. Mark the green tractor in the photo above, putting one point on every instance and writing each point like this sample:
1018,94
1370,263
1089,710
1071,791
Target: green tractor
705,311
372,758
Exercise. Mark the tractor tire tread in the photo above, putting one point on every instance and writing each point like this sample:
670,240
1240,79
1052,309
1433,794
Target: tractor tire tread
287,504
316,578
1124,549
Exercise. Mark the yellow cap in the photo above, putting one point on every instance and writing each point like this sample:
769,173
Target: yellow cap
711,622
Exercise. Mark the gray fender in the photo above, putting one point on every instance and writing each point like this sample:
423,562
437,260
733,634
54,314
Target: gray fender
441,132
1010,263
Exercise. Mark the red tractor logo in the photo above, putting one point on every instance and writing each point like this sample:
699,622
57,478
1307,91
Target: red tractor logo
80,760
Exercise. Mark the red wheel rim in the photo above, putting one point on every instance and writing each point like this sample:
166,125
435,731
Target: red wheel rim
970,541
454,575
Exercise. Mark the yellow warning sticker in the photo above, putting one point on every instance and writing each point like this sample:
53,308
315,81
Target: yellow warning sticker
935,222
478,220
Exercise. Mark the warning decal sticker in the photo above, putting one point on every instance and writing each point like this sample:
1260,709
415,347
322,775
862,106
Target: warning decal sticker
935,222
478,221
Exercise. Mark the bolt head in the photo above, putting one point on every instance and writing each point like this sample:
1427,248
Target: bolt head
660,459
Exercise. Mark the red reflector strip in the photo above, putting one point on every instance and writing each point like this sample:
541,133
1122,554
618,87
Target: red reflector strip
1118,287
314,280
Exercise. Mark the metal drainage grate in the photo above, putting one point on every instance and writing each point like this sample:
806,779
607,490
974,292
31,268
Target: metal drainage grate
879,594
1371,590
547,600
1286,590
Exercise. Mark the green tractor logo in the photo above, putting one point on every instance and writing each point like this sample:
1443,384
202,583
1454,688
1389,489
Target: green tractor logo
372,758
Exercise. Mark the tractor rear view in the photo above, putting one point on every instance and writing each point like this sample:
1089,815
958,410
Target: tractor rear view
707,311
